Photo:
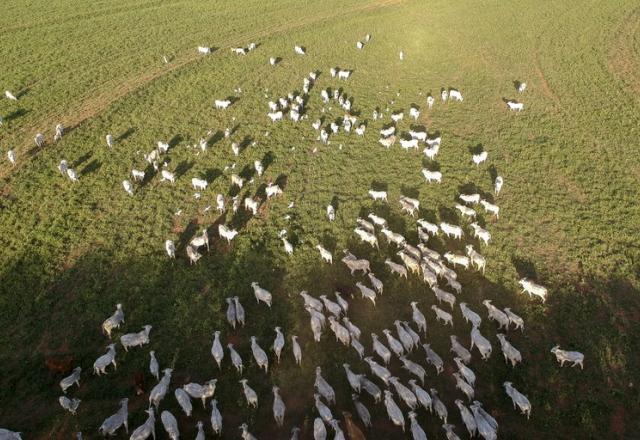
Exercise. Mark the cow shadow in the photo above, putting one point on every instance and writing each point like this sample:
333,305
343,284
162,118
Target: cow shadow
493,172
448,215
431,165
92,166
212,174
187,234
282,181
329,241
247,172
124,135
216,137
335,202
377,185
15,114
410,191
524,267
82,159
183,167
175,140
476,149
245,143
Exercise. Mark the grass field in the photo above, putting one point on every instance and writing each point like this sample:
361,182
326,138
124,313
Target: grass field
569,209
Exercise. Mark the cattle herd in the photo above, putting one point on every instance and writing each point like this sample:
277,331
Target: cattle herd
371,381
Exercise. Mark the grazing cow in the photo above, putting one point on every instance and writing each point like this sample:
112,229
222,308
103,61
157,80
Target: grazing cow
419,135
199,184
396,117
251,205
386,132
407,144
128,187
490,207
272,190
222,103
532,288
430,101
497,185
300,50
432,176
451,230
10,95
563,356
479,158
455,94
344,74
387,142
378,195
227,233
39,140
515,106
168,175
204,50
137,175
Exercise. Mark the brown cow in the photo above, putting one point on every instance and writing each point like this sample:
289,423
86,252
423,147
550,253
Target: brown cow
59,364
355,433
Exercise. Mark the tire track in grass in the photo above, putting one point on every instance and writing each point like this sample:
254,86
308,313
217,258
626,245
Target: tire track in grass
109,94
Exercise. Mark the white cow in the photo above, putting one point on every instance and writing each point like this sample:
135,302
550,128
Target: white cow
533,289
168,175
325,254
344,74
515,106
222,103
480,157
490,207
378,195
199,184
386,132
128,187
432,176
227,233
420,135
430,101
451,230
10,96
387,142
497,185
409,143
272,190
563,356
137,175
251,205
455,94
